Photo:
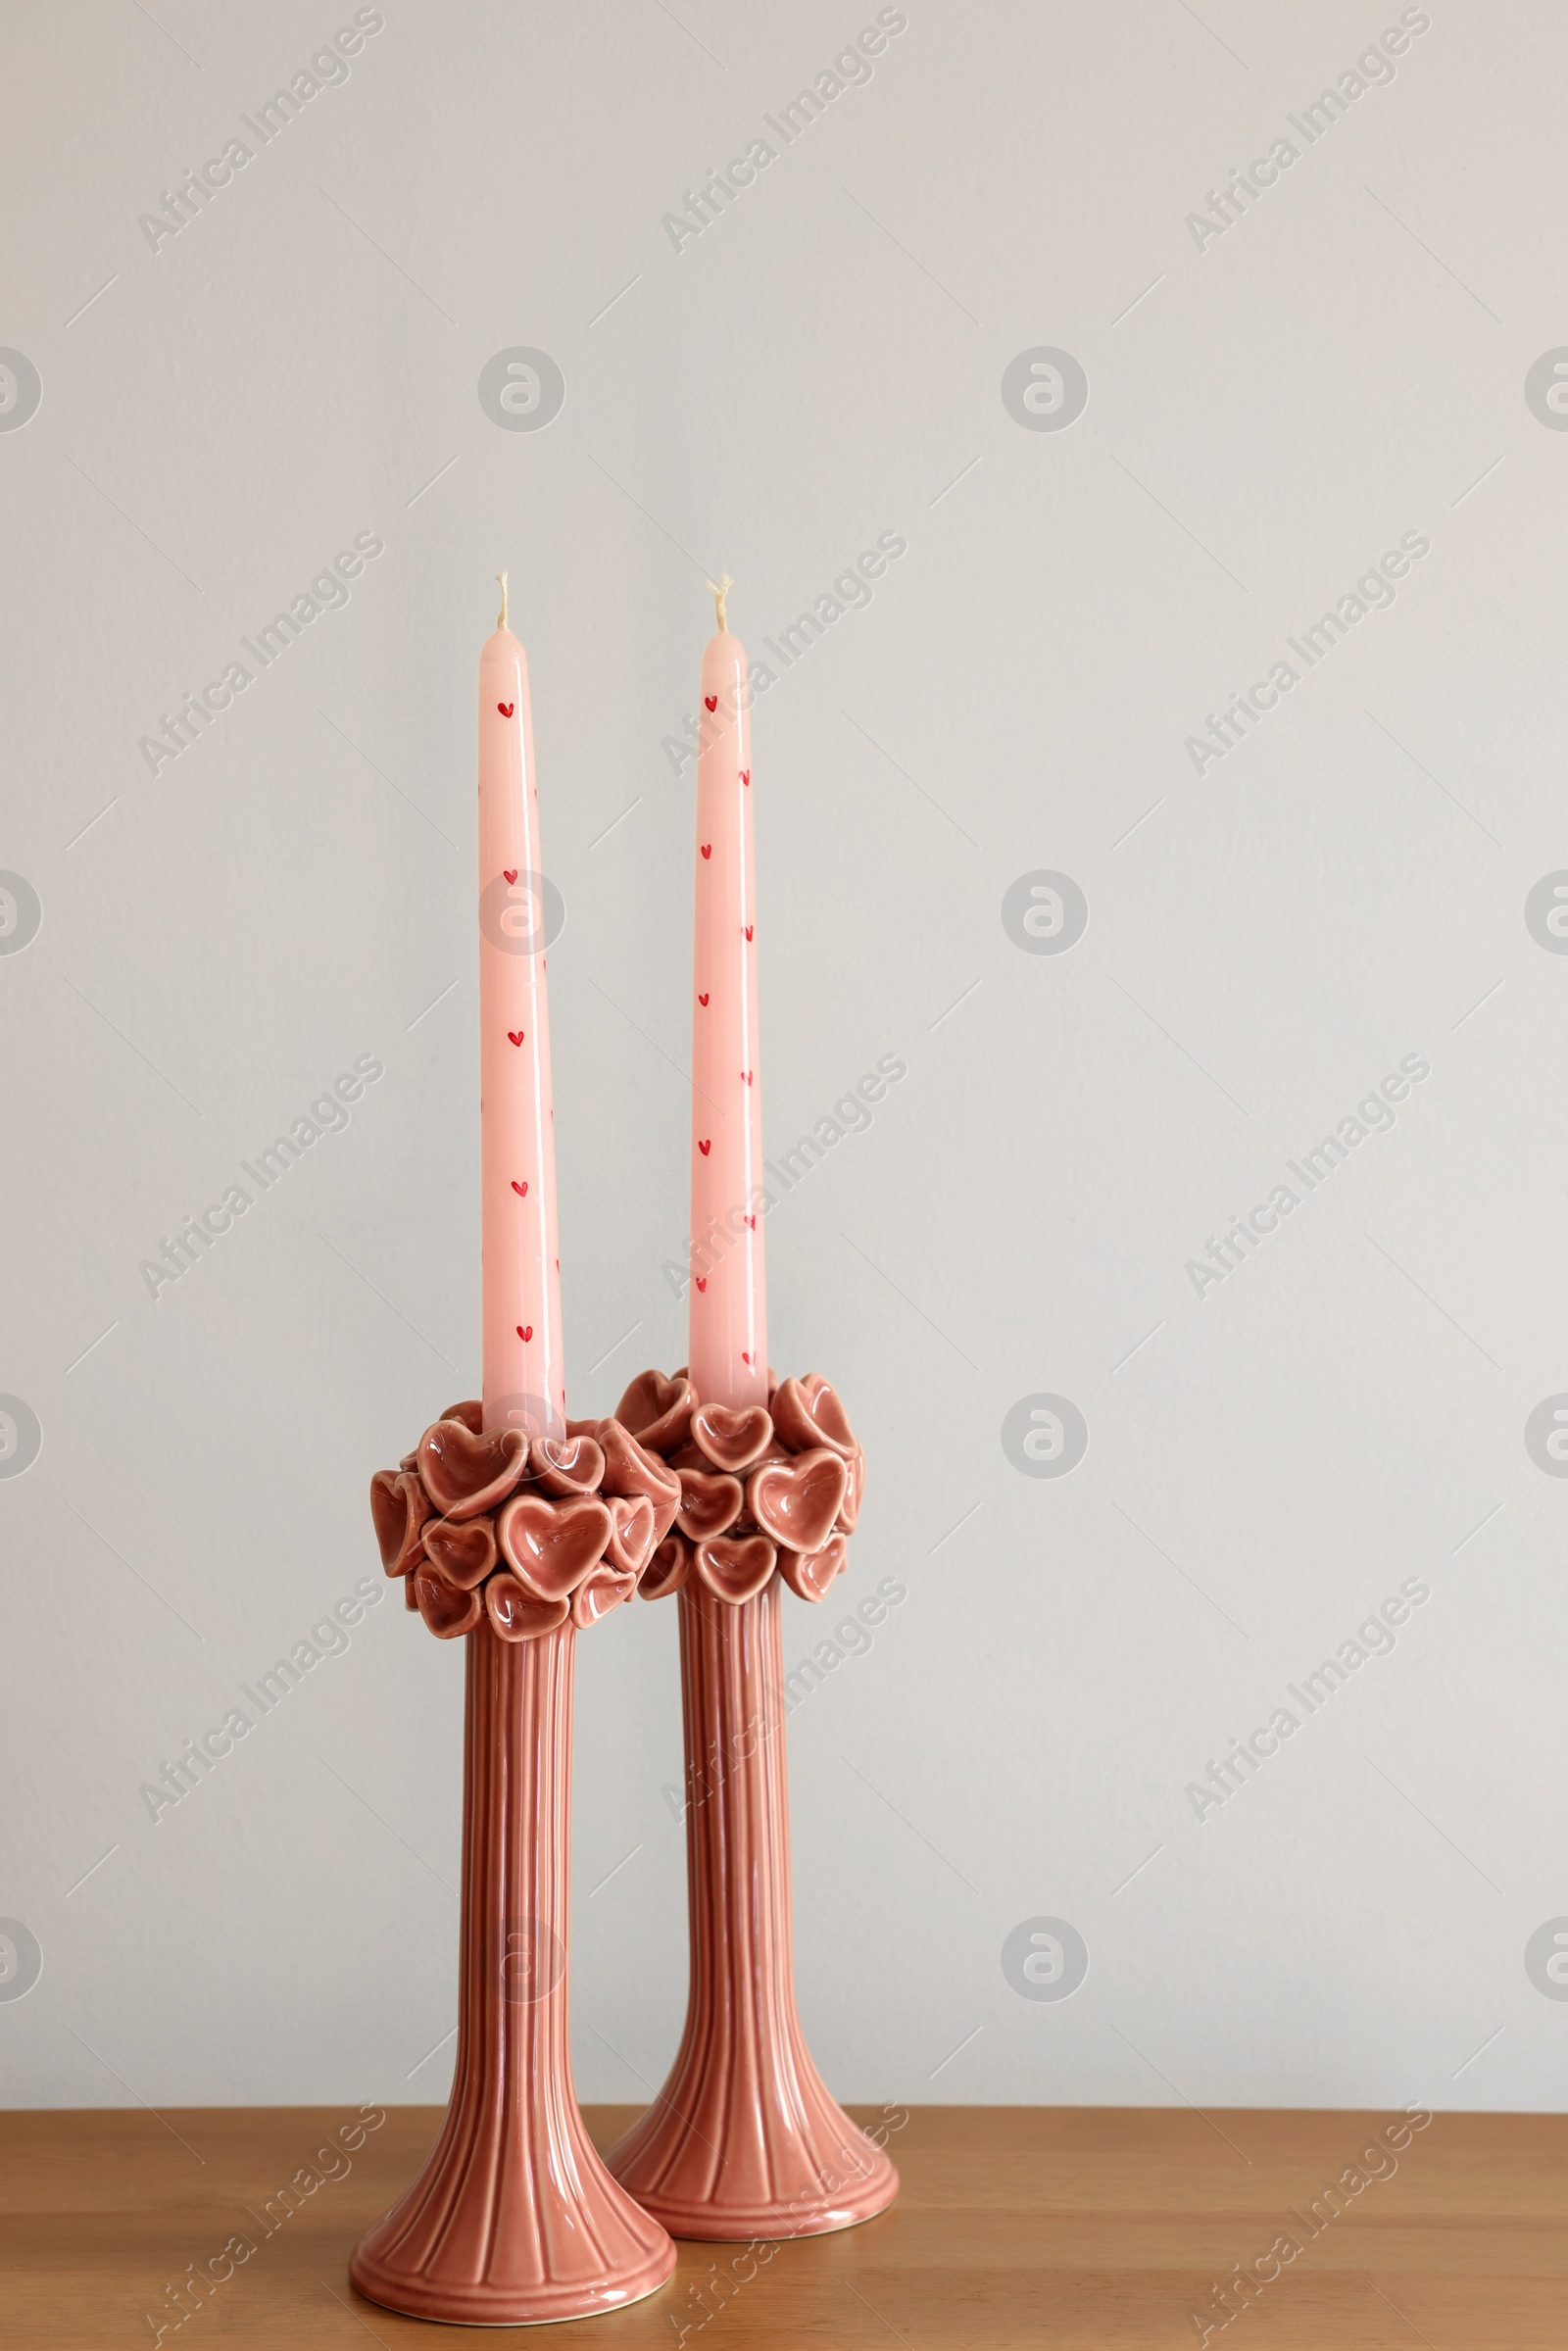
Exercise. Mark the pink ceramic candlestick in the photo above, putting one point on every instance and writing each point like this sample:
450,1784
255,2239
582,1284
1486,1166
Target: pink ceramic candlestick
727,1309
745,2140
515,2218
524,1376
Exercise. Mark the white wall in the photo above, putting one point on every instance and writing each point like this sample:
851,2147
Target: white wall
1268,1461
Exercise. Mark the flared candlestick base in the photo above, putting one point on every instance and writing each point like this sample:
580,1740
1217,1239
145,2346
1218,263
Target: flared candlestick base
744,2141
514,2219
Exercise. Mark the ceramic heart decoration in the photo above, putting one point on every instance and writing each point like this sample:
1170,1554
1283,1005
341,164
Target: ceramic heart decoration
516,1615
631,1533
735,1569
465,1474
447,1611
667,1570
709,1502
463,1550
850,1508
657,1411
732,1439
631,1469
550,1545
796,1501
398,1509
807,1412
810,1573
566,1465
598,1593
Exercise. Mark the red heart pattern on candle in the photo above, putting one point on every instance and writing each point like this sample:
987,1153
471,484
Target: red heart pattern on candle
748,930
796,1501
746,1076
525,1332
745,1357
516,1036
752,1221
549,1545
505,708
705,1148
709,702
702,1282
746,775
707,849
510,874
703,1000
521,1190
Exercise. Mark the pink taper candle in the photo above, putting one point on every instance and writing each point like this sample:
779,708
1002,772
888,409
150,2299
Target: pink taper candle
745,2141
727,1302
524,1376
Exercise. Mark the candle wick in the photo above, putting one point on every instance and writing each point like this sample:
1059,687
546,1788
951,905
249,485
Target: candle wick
720,593
502,620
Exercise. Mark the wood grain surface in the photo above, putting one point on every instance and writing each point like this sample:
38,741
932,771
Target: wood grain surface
1016,2225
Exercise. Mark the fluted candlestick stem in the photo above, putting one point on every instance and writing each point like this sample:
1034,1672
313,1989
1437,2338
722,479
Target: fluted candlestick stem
515,2218
745,2140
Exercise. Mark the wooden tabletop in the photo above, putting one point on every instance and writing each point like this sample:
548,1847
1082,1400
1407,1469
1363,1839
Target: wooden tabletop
1017,2226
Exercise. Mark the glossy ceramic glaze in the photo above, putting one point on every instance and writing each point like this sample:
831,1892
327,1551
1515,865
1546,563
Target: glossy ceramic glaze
515,2218
745,2140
